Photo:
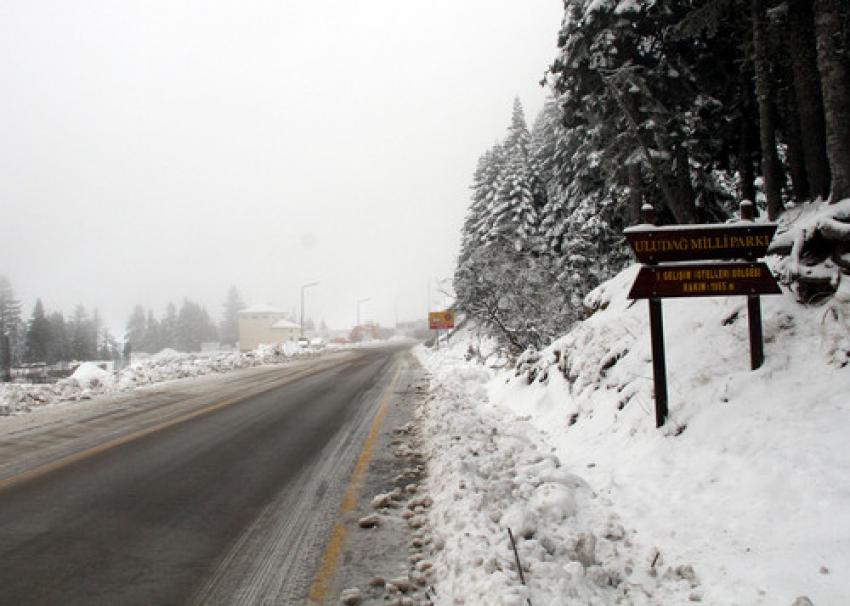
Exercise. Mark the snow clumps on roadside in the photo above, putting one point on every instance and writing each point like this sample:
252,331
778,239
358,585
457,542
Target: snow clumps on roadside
91,380
403,507
486,478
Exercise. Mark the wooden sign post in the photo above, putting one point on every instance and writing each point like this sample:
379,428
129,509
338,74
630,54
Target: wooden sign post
664,275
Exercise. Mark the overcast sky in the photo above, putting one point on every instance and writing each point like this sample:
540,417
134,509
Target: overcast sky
156,150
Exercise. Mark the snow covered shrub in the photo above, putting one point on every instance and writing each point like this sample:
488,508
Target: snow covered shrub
813,242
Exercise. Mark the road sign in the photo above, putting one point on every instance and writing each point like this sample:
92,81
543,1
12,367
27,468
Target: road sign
441,320
703,280
662,249
743,240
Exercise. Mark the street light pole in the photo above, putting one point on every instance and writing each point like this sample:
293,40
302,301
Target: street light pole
359,301
303,286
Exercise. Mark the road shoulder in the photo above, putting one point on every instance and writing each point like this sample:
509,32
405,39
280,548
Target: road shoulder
386,532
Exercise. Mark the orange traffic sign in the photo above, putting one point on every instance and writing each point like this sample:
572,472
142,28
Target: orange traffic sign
441,320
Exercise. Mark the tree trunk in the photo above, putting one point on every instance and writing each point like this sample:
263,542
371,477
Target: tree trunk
635,194
804,70
681,213
795,155
747,146
770,166
684,187
835,87
747,174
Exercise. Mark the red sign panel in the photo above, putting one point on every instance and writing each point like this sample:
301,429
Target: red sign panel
441,320
704,280
693,242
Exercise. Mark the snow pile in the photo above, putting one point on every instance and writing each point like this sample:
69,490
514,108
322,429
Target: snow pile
91,376
166,354
747,482
15,397
168,365
90,380
491,471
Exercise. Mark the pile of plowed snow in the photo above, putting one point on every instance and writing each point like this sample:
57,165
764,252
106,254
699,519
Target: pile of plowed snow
90,380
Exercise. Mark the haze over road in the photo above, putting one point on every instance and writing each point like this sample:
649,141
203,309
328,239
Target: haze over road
219,491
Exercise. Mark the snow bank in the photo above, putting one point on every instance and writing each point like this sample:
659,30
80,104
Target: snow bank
89,375
489,472
747,483
90,380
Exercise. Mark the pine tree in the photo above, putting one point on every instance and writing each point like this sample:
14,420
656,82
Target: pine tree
59,346
194,327
541,151
168,327
152,340
806,83
10,320
486,185
681,103
771,165
93,334
229,327
107,348
136,329
834,67
38,335
82,344
513,213
503,277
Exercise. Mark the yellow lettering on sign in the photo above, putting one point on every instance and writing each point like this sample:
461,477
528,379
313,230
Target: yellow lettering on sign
675,275
711,274
700,243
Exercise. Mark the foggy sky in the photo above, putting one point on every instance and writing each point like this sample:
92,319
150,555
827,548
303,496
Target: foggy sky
155,150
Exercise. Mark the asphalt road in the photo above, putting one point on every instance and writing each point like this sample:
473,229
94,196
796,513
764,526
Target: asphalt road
214,496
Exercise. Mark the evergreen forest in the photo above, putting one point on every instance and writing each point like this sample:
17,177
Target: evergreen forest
690,106
49,337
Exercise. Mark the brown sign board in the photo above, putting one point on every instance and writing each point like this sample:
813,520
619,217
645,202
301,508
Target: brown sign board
743,240
703,280
441,320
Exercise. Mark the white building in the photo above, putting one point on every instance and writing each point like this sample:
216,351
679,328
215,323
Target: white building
265,325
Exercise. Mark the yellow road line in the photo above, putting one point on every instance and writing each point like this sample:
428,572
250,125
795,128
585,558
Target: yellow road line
327,567
46,468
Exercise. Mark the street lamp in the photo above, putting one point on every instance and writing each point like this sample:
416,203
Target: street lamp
359,301
303,286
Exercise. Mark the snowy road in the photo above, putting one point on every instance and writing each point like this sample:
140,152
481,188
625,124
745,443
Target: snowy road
220,490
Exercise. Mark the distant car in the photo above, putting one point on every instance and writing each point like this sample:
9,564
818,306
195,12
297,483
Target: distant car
304,342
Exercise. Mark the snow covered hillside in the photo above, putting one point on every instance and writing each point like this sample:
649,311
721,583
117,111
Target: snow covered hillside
742,498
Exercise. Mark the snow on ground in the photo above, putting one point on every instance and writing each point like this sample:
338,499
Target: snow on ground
747,483
89,375
90,380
